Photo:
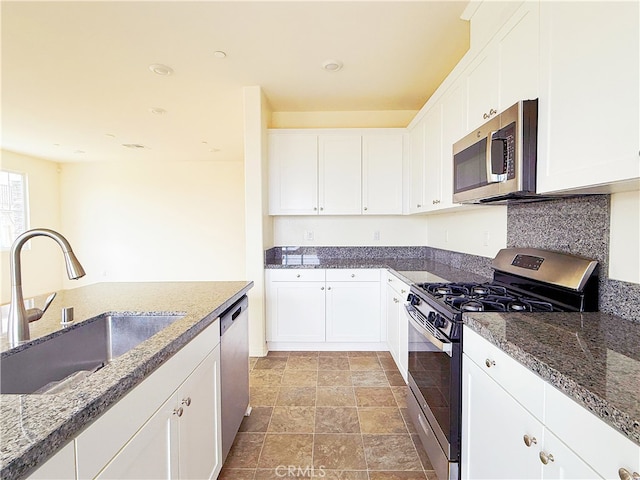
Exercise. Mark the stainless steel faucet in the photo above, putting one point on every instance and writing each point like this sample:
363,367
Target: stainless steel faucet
19,317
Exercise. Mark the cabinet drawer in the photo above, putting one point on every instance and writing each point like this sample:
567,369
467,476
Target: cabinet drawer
296,275
605,449
353,274
399,286
524,385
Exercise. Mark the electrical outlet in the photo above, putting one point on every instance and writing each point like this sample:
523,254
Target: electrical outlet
308,235
376,235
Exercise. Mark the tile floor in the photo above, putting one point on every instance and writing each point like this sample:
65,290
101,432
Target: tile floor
333,415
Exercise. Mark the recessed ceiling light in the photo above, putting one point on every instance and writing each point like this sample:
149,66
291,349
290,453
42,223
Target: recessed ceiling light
219,54
332,65
133,146
157,110
160,69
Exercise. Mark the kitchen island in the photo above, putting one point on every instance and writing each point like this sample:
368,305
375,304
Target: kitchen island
33,427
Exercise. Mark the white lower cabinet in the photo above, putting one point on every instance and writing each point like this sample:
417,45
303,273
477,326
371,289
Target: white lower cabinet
62,466
397,326
508,433
166,427
307,307
494,428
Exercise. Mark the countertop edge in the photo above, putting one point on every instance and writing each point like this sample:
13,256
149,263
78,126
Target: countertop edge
611,415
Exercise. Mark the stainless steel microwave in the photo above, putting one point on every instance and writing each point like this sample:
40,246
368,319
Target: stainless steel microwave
497,162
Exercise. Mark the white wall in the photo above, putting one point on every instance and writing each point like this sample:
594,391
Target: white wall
343,231
479,230
624,245
357,119
42,264
149,221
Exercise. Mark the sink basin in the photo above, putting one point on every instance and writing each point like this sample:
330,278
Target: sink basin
49,366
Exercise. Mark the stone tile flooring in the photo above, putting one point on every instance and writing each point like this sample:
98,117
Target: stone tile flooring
329,415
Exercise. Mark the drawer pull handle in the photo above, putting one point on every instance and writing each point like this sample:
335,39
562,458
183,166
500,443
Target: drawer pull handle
528,441
489,363
626,475
178,411
187,401
545,458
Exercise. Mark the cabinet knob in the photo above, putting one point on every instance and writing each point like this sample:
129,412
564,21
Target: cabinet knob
321,209
485,116
186,401
435,202
627,475
178,411
489,363
396,300
402,290
528,441
298,276
353,275
365,209
321,288
545,458
418,205
389,279
328,288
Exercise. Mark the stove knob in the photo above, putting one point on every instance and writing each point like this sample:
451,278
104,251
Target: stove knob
439,322
431,318
413,299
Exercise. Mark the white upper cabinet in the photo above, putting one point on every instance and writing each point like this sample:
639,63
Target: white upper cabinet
417,167
432,156
339,174
506,70
336,172
293,174
382,158
589,131
454,118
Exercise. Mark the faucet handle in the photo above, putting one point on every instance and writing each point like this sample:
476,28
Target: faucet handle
34,314
48,301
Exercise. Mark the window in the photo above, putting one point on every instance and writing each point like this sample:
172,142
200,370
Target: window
13,207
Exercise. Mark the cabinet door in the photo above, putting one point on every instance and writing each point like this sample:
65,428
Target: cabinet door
416,167
559,462
518,47
453,129
293,174
432,156
61,466
340,174
393,323
588,126
493,430
296,312
199,425
482,87
382,156
149,454
353,312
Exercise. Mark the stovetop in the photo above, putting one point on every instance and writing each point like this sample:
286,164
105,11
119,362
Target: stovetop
485,297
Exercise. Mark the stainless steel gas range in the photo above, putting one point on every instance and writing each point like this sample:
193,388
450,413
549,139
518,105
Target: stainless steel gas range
525,280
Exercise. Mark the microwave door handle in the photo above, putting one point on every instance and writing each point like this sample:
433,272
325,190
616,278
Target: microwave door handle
493,177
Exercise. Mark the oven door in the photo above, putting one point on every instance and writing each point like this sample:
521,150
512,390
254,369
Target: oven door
435,378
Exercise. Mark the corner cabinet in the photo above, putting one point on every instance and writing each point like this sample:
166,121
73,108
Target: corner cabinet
589,125
324,309
516,425
336,172
397,326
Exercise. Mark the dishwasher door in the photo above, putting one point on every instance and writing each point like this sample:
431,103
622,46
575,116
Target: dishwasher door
234,370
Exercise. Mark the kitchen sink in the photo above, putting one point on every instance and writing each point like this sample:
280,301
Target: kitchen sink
63,360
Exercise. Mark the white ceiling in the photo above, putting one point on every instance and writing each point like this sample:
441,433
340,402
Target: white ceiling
76,83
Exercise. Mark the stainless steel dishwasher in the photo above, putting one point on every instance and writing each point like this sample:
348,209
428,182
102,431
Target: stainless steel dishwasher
234,370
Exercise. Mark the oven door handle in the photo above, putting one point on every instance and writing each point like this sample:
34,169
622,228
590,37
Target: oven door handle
444,347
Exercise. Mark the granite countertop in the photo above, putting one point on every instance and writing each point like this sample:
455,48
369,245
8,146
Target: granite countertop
33,427
591,357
